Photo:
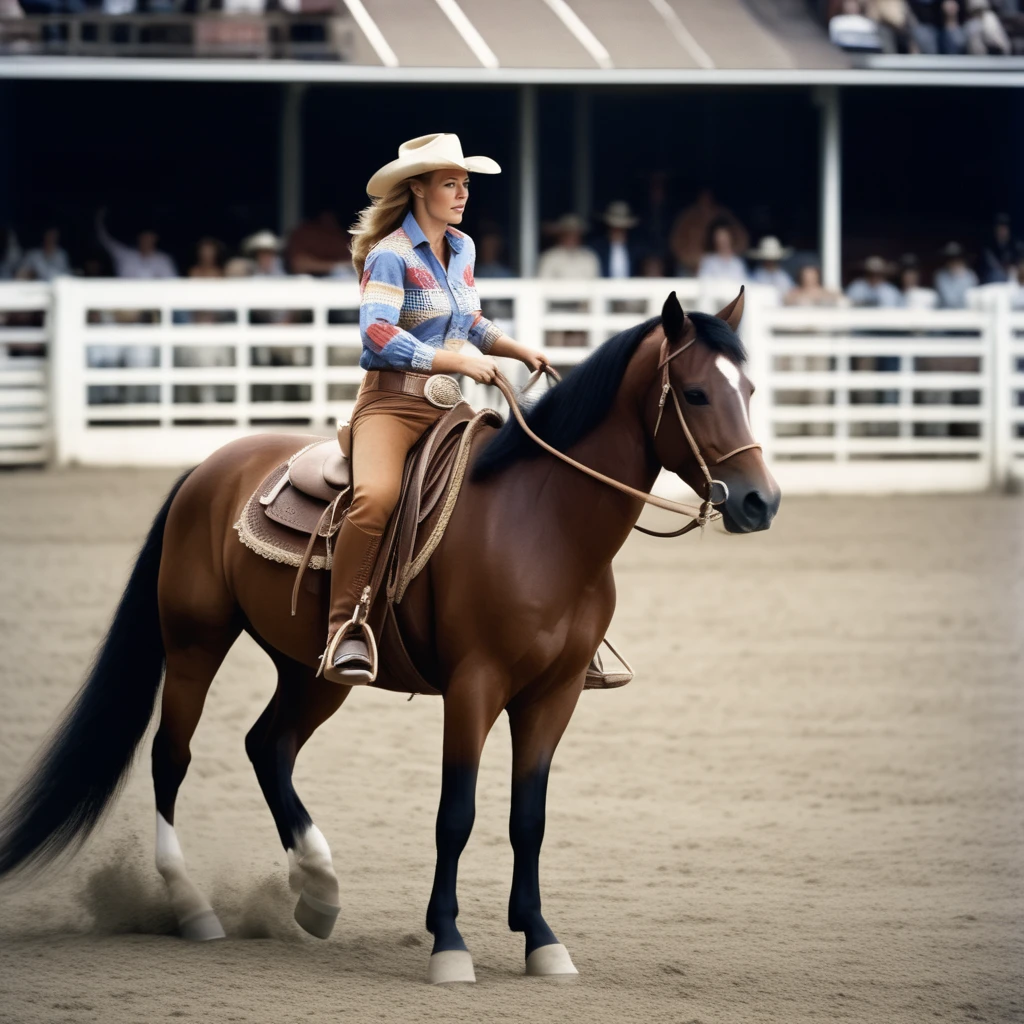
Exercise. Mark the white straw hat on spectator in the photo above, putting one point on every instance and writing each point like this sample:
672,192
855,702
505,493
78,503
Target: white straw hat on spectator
770,249
427,153
567,222
260,241
619,215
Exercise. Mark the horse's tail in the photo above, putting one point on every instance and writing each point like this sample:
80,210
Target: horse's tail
88,757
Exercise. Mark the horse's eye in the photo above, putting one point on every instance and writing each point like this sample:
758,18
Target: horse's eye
695,396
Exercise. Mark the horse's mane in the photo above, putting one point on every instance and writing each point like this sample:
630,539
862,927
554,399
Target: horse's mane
568,412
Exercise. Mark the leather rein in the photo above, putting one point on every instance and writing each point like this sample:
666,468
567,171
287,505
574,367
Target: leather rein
717,490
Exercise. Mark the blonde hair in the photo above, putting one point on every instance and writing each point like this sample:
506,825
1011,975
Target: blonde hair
379,219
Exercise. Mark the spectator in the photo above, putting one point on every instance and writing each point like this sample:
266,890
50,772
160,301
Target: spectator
569,258
897,25
209,259
914,296
46,262
769,255
690,232
653,266
984,31
10,254
238,266
490,250
955,278
873,289
263,249
720,260
617,255
809,291
1000,253
853,30
146,261
952,38
320,247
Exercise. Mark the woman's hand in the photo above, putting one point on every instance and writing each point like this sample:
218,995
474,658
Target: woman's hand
481,368
534,358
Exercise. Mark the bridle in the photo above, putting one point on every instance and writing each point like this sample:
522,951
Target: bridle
717,490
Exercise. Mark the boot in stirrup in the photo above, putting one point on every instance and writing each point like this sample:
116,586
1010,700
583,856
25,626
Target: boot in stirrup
351,655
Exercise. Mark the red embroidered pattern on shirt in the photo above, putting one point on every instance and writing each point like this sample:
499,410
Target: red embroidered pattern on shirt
381,334
467,276
420,278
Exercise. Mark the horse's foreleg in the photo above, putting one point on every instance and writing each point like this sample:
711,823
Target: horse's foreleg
299,706
470,709
537,726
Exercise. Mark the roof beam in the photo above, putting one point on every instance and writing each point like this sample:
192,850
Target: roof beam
572,21
457,16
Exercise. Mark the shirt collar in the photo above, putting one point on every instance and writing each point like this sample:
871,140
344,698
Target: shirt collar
412,228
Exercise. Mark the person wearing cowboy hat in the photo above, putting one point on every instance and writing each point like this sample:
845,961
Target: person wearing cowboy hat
568,259
263,249
419,306
769,255
954,278
874,288
618,256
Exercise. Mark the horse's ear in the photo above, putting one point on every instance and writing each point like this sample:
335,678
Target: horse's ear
733,313
673,319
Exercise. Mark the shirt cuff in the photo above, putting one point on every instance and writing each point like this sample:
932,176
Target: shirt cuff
423,357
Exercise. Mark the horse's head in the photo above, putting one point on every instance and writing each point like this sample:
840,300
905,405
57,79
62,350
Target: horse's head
701,390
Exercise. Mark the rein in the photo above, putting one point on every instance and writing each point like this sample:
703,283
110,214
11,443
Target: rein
717,493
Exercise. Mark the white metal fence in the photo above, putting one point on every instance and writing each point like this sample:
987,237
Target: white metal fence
848,400
24,399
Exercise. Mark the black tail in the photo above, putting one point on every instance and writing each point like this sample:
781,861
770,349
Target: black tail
89,755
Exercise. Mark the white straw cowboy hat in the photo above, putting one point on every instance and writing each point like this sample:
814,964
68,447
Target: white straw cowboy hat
619,215
770,249
262,240
427,153
567,222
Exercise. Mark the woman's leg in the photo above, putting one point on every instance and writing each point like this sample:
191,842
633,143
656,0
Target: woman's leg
384,427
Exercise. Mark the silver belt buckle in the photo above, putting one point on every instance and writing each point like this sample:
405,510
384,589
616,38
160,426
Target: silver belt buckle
442,392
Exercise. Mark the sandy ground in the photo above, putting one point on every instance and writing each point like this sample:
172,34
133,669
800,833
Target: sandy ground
807,807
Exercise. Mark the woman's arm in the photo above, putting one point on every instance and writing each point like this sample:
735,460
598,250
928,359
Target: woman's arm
508,347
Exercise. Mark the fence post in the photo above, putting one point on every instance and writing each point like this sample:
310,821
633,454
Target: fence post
756,331
67,378
997,303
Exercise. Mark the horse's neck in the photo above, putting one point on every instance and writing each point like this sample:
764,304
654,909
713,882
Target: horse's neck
592,515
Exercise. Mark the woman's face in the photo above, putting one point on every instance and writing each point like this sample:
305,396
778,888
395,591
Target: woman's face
810,278
443,195
723,241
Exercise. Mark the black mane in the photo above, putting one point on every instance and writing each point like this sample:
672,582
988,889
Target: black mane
570,410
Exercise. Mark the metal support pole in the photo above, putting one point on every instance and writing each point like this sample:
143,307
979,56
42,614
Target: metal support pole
290,178
582,197
831,210
529,213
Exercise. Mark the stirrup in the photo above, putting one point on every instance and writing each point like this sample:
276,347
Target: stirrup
353,677
598,678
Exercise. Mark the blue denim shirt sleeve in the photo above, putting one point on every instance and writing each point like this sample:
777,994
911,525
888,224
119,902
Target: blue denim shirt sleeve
383,292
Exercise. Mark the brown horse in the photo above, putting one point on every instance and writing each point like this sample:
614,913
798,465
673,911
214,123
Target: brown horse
506,616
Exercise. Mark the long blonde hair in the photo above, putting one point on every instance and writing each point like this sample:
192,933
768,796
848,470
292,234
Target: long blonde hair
379,219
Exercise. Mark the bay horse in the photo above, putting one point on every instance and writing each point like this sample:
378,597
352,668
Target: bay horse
508,613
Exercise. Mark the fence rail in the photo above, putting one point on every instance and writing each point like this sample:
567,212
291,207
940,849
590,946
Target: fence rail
24,397
848,400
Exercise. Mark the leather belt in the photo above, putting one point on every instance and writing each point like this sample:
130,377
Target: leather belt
399,382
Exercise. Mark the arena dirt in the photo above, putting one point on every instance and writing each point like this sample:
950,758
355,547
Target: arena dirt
807,807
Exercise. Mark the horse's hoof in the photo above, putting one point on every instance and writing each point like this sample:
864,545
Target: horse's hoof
450,965
552,961
315,916
202,928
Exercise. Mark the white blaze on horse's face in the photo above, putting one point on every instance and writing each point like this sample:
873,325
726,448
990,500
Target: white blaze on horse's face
731,372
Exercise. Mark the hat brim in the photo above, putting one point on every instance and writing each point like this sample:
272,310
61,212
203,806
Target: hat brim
760,254
621,222
398,170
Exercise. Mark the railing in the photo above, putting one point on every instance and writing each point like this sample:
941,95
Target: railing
848,400
24,399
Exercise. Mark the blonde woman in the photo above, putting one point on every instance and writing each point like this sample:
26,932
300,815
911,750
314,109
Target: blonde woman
419,306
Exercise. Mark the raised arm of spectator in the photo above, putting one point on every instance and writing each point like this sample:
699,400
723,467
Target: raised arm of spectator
118,250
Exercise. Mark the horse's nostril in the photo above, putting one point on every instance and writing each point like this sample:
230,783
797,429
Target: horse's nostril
755,507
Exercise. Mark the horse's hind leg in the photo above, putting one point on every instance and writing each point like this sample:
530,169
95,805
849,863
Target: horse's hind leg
301,703
195,650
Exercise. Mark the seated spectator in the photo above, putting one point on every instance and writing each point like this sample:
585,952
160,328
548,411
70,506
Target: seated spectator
489,253
952,39
914,295
10,254
1000,253
769,255
46,262
209,259
808,290
569,258
690,232
853,30
618,256
320,247
146,261
874,288
955,278
263,249
984,31
720,259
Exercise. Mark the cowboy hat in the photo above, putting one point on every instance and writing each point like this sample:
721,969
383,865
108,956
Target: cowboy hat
567,222
427,153
770,249
617,214
262,240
